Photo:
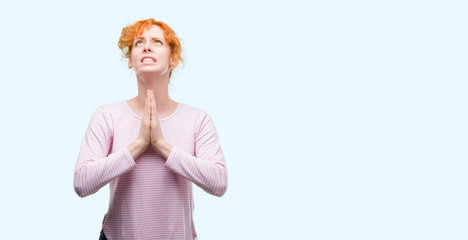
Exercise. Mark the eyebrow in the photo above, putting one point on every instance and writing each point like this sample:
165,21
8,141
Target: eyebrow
151,38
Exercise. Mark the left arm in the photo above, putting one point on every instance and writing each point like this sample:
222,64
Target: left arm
207,169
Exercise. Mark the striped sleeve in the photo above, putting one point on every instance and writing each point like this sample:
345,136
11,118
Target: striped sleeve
95,167
207,169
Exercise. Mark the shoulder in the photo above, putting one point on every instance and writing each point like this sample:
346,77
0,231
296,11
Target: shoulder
107,113
188,114
185,111
201,119
192,112
113,107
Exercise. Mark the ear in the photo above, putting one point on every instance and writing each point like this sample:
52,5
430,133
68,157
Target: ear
174,63
130,62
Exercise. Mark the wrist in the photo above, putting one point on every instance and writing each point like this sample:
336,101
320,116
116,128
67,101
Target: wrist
159,143
137,148
141,143
162,147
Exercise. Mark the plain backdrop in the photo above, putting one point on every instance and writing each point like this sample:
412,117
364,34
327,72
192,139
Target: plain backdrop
338,119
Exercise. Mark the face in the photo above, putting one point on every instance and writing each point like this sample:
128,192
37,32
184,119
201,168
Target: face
151,53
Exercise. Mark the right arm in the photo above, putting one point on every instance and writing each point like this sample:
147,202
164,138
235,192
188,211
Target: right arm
95,167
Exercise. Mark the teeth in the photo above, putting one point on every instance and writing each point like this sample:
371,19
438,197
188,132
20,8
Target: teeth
147,60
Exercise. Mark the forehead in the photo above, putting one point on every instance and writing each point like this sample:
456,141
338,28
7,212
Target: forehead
153,31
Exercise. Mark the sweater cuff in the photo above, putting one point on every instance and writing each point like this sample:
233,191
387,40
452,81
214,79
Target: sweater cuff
173,158
127,159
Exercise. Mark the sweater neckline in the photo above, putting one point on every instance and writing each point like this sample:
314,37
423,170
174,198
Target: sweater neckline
161,119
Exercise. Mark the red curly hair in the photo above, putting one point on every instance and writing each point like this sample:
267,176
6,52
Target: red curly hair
130,32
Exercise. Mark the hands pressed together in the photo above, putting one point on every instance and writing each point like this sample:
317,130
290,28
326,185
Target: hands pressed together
150,130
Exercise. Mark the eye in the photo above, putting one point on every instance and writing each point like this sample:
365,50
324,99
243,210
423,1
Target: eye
158,42
138,43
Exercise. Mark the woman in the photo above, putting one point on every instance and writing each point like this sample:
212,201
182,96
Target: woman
150,148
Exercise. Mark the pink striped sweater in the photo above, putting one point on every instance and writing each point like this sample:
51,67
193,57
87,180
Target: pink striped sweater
150,197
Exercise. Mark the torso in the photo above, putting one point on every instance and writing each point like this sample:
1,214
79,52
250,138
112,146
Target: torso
150,201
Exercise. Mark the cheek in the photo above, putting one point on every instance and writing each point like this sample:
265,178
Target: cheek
164,54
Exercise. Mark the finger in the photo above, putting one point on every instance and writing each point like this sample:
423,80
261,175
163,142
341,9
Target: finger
153,104
147,106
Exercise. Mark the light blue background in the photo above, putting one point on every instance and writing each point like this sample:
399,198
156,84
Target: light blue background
338,119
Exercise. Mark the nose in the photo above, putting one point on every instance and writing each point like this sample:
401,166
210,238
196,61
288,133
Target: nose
148,49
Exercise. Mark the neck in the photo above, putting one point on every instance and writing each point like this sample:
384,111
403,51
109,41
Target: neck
159,84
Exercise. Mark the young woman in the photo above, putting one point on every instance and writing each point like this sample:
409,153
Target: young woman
150,149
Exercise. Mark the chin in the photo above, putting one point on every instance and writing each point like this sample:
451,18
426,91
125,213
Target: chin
157,72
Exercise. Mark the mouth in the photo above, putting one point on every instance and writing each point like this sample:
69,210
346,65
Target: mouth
148,60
